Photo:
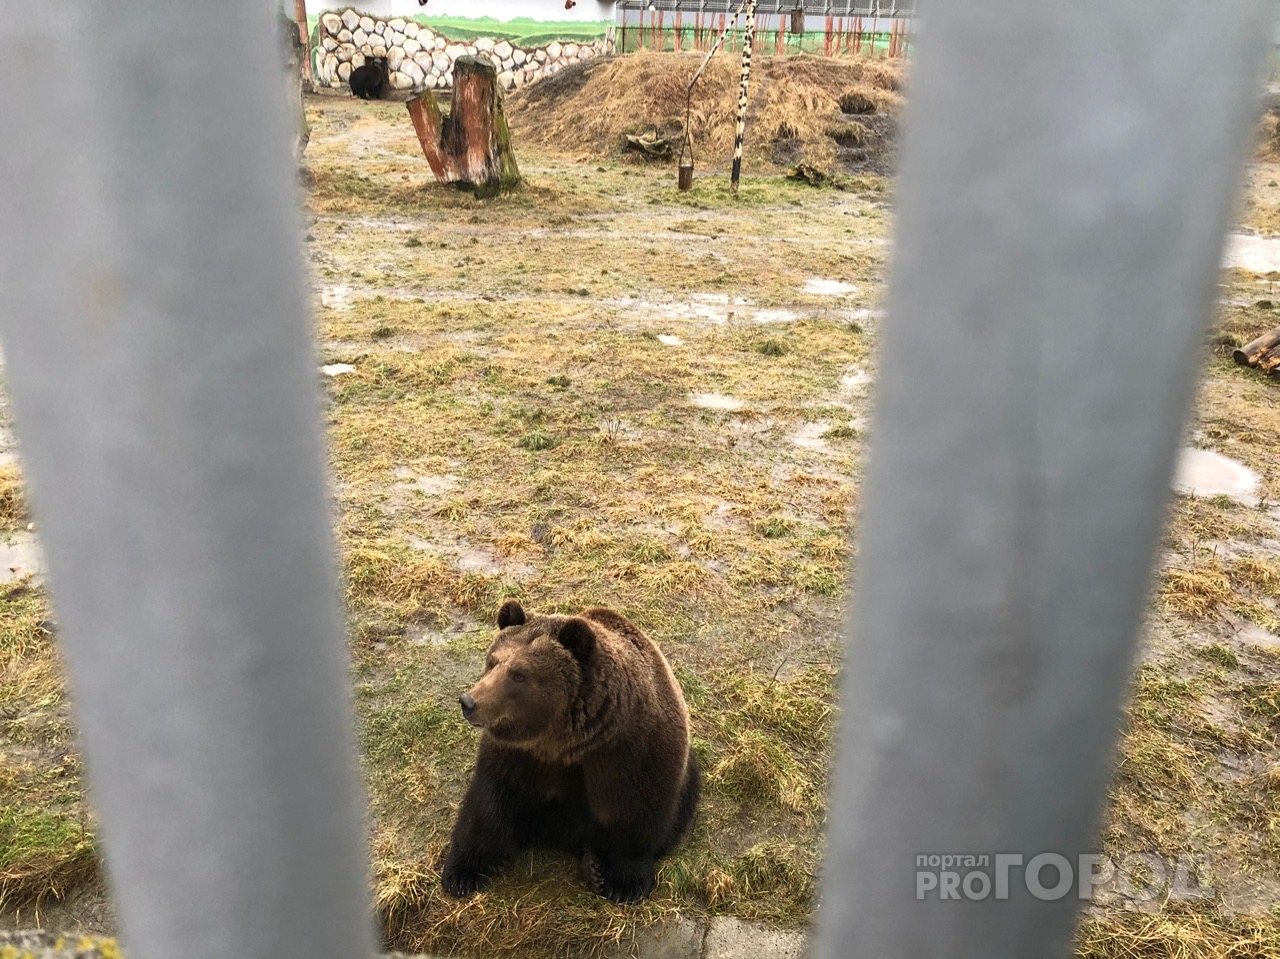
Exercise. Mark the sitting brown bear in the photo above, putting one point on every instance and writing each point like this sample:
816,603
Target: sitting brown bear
585,749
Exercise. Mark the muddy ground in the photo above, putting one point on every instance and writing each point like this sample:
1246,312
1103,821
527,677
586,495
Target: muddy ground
599,390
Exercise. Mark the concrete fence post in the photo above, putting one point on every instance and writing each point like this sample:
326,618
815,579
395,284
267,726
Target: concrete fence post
165,392
1066,187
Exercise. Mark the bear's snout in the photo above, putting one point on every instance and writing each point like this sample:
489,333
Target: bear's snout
468,708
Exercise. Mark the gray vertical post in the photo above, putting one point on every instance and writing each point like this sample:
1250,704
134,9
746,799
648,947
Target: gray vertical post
165,389
1064,200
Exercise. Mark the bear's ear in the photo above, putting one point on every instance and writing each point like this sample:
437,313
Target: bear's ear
511,614
577,636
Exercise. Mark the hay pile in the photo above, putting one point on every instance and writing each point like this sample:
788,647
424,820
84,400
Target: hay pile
837,114
1267,145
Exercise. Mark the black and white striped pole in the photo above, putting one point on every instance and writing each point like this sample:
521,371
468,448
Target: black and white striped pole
747,41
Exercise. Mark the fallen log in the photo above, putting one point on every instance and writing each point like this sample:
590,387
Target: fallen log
1269,362
471,147
649,144
1251,353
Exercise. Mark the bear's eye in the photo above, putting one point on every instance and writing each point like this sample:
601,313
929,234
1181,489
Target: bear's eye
518,677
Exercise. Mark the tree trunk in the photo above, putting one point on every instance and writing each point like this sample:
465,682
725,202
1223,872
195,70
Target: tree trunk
295,56
300,14
1252,353
471,147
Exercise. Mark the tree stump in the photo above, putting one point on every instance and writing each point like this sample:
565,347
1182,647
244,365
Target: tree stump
471,147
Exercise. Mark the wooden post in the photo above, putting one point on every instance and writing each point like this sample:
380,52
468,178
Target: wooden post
297,63
471,147
300,14
748,37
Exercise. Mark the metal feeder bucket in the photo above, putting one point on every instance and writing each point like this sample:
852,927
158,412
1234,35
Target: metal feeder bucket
686,175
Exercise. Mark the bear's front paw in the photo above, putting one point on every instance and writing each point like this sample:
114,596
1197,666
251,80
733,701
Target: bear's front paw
461,881
620,881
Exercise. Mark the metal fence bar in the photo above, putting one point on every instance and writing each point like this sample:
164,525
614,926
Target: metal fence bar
164,383
1064,201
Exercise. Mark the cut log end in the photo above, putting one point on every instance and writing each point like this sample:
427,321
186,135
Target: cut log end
1262,354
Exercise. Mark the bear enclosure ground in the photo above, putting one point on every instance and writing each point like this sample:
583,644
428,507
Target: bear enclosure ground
598,390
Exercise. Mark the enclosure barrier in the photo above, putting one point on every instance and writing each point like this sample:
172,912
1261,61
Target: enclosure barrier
1063,207
824,27
165,390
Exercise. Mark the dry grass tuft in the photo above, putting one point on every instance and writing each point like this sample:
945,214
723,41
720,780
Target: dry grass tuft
1261,574
13,500
1195,593
1268,137
1177,932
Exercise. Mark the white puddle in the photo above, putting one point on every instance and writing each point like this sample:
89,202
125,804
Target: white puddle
774,316
20,557
1257,636
470,558
856,379
335,297
668,339
809,436
1257,254
819,287
425,637
716,401
337,369
1206,473
719,308
431,485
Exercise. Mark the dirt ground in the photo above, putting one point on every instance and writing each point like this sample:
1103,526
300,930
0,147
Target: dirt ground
598,390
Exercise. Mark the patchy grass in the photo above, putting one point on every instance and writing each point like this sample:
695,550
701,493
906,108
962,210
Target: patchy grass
513,426
44,855
1178,932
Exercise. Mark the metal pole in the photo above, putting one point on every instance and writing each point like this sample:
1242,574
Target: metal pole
1060,233
164,381
747,40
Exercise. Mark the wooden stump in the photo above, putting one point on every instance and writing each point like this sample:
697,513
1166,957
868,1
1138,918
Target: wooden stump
471,147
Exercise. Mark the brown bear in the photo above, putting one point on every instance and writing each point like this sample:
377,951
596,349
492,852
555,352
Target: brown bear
585,749
368,81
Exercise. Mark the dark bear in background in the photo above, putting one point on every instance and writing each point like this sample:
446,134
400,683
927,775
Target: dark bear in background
585,749
367,81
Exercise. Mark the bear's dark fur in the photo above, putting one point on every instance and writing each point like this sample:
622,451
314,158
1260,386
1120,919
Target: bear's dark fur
367,81
585,749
